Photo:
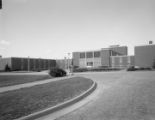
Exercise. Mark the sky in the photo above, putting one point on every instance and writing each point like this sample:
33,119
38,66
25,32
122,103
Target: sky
54,28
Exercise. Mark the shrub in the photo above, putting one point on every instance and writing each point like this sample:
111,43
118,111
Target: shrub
142,68
7,68
57,72
132,68
80,70
97,69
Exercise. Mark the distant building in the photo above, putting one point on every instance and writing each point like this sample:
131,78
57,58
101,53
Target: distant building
112,57
116,57
122,61
26,64
145,55
98,58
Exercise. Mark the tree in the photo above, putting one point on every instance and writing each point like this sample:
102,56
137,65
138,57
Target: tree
7,68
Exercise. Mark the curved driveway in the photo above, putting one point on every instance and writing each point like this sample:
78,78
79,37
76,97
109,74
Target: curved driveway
119,96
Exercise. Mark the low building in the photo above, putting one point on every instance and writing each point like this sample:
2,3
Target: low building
26,64
145,56
122,61
98,58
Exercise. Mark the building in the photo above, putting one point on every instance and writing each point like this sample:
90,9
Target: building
98,58
113,57
145,56
26,64
122,61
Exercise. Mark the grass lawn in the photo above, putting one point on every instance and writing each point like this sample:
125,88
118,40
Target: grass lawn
7,80
17,103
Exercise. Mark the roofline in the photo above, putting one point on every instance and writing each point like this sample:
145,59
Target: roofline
87,51
25,58
145,45
123,56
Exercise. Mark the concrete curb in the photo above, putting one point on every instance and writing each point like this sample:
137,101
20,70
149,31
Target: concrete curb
59,106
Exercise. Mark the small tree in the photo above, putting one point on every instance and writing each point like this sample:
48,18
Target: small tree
7,68
57,72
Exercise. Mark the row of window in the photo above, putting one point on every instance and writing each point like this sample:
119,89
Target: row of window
121,60
90,54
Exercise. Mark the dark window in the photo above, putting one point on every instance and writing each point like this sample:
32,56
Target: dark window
89,54
82,55
97,54
89,63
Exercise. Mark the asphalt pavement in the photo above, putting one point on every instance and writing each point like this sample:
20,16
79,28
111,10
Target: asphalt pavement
119,96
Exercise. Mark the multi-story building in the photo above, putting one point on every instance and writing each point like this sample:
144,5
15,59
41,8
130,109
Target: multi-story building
112,57
145,55
26,64
122,61
116,57
98,58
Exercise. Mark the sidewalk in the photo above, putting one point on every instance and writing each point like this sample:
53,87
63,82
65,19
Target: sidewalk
25,85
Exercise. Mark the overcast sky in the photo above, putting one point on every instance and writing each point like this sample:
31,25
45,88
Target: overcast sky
52,28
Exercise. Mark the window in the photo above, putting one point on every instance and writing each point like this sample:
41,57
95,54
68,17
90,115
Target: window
82,55
97,54
89,54
89,63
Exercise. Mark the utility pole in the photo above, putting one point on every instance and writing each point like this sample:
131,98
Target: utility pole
28,65
65,63
68,62
22,66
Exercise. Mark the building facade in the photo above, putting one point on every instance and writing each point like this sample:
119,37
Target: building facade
98,58
112,57
122,61
145,55
26,64
116,57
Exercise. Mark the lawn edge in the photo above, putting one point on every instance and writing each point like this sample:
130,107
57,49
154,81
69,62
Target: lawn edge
59,106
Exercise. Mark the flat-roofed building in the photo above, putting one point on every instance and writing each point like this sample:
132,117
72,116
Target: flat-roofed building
26,64
122,61
97,58
145,55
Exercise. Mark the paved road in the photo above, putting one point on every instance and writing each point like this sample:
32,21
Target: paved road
119,96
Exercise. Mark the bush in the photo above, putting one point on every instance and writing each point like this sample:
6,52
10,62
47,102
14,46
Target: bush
7,68
142,68
97,69
132,68
57,72
80,70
